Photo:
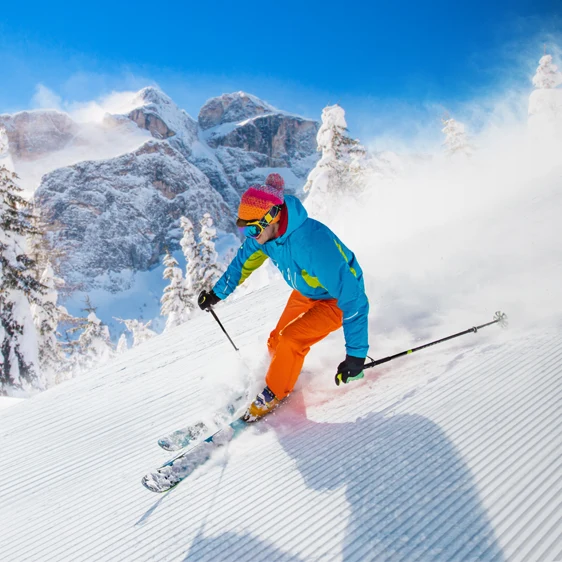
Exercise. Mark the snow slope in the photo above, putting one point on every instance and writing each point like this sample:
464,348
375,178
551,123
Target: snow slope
449,454
7,401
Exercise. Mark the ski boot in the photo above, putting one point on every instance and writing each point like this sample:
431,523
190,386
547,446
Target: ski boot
264,403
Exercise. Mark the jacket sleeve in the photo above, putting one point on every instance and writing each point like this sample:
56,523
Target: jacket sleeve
338,272
248,258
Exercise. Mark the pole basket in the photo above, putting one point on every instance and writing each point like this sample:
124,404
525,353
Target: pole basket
501,319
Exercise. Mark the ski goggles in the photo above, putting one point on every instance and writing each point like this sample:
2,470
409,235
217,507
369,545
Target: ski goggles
255,228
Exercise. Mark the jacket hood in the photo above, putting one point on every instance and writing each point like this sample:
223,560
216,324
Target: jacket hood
296,214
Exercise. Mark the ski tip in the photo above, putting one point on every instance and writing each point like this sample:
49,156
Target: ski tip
167,446
149,483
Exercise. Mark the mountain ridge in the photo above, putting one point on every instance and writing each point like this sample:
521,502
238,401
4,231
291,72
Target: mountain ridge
263,139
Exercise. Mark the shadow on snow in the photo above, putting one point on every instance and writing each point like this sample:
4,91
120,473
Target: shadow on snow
410,493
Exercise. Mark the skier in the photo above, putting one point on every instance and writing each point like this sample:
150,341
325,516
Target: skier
327,282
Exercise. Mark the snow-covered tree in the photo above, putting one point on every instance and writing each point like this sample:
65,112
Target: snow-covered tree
341,170
93,346
19,289
211,269
547,76
192,260
176,304
46,317
456,139
141,332
122,344
69,324
96,343
545,102
39,249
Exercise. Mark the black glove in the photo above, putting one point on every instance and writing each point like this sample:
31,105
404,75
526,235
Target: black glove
350,370
207,299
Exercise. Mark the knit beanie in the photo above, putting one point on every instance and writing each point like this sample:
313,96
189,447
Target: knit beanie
258,199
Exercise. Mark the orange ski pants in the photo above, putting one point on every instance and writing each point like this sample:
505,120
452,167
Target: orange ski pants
303,323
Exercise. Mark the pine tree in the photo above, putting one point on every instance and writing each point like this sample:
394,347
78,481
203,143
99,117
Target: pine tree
39,249
46,317
547,75
545,102
19,354
72,353
342,168
211,269
94,343
122,344
456,139
175,301
192,260
46,313
141,332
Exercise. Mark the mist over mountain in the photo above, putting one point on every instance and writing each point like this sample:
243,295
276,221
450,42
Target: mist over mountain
116,187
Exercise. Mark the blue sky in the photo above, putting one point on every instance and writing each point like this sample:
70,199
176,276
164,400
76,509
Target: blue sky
377,59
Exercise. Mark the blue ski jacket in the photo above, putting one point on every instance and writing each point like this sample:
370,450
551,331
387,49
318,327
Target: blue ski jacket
315,262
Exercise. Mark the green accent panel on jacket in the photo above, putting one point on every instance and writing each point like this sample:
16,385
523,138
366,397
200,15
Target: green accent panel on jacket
311,281
251,264
345,257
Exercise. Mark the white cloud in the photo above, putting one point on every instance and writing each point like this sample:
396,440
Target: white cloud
94,139
94,111
84,112
450,241
45,98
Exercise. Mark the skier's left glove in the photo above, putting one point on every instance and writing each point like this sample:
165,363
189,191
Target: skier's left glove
350,370
207,299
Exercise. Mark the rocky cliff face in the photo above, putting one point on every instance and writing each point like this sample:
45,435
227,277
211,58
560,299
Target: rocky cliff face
232,108
120,213
236,141
251,137
159,115
32,134
283,140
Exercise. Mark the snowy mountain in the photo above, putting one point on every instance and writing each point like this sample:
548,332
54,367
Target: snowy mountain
448,454
119,208
119,214
33,134
452,454
251,138
232,108
157,113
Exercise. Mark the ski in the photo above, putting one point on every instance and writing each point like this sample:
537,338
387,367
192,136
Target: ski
171,473
181,438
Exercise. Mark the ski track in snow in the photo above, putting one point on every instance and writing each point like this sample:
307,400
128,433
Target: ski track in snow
449,454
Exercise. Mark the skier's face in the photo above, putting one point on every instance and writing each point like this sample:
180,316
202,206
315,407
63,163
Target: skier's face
268,233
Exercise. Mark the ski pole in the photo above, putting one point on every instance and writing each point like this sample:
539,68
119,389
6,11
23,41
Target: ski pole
499,318
210,309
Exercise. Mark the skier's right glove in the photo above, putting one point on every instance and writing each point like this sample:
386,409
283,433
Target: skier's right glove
350,370
207,299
